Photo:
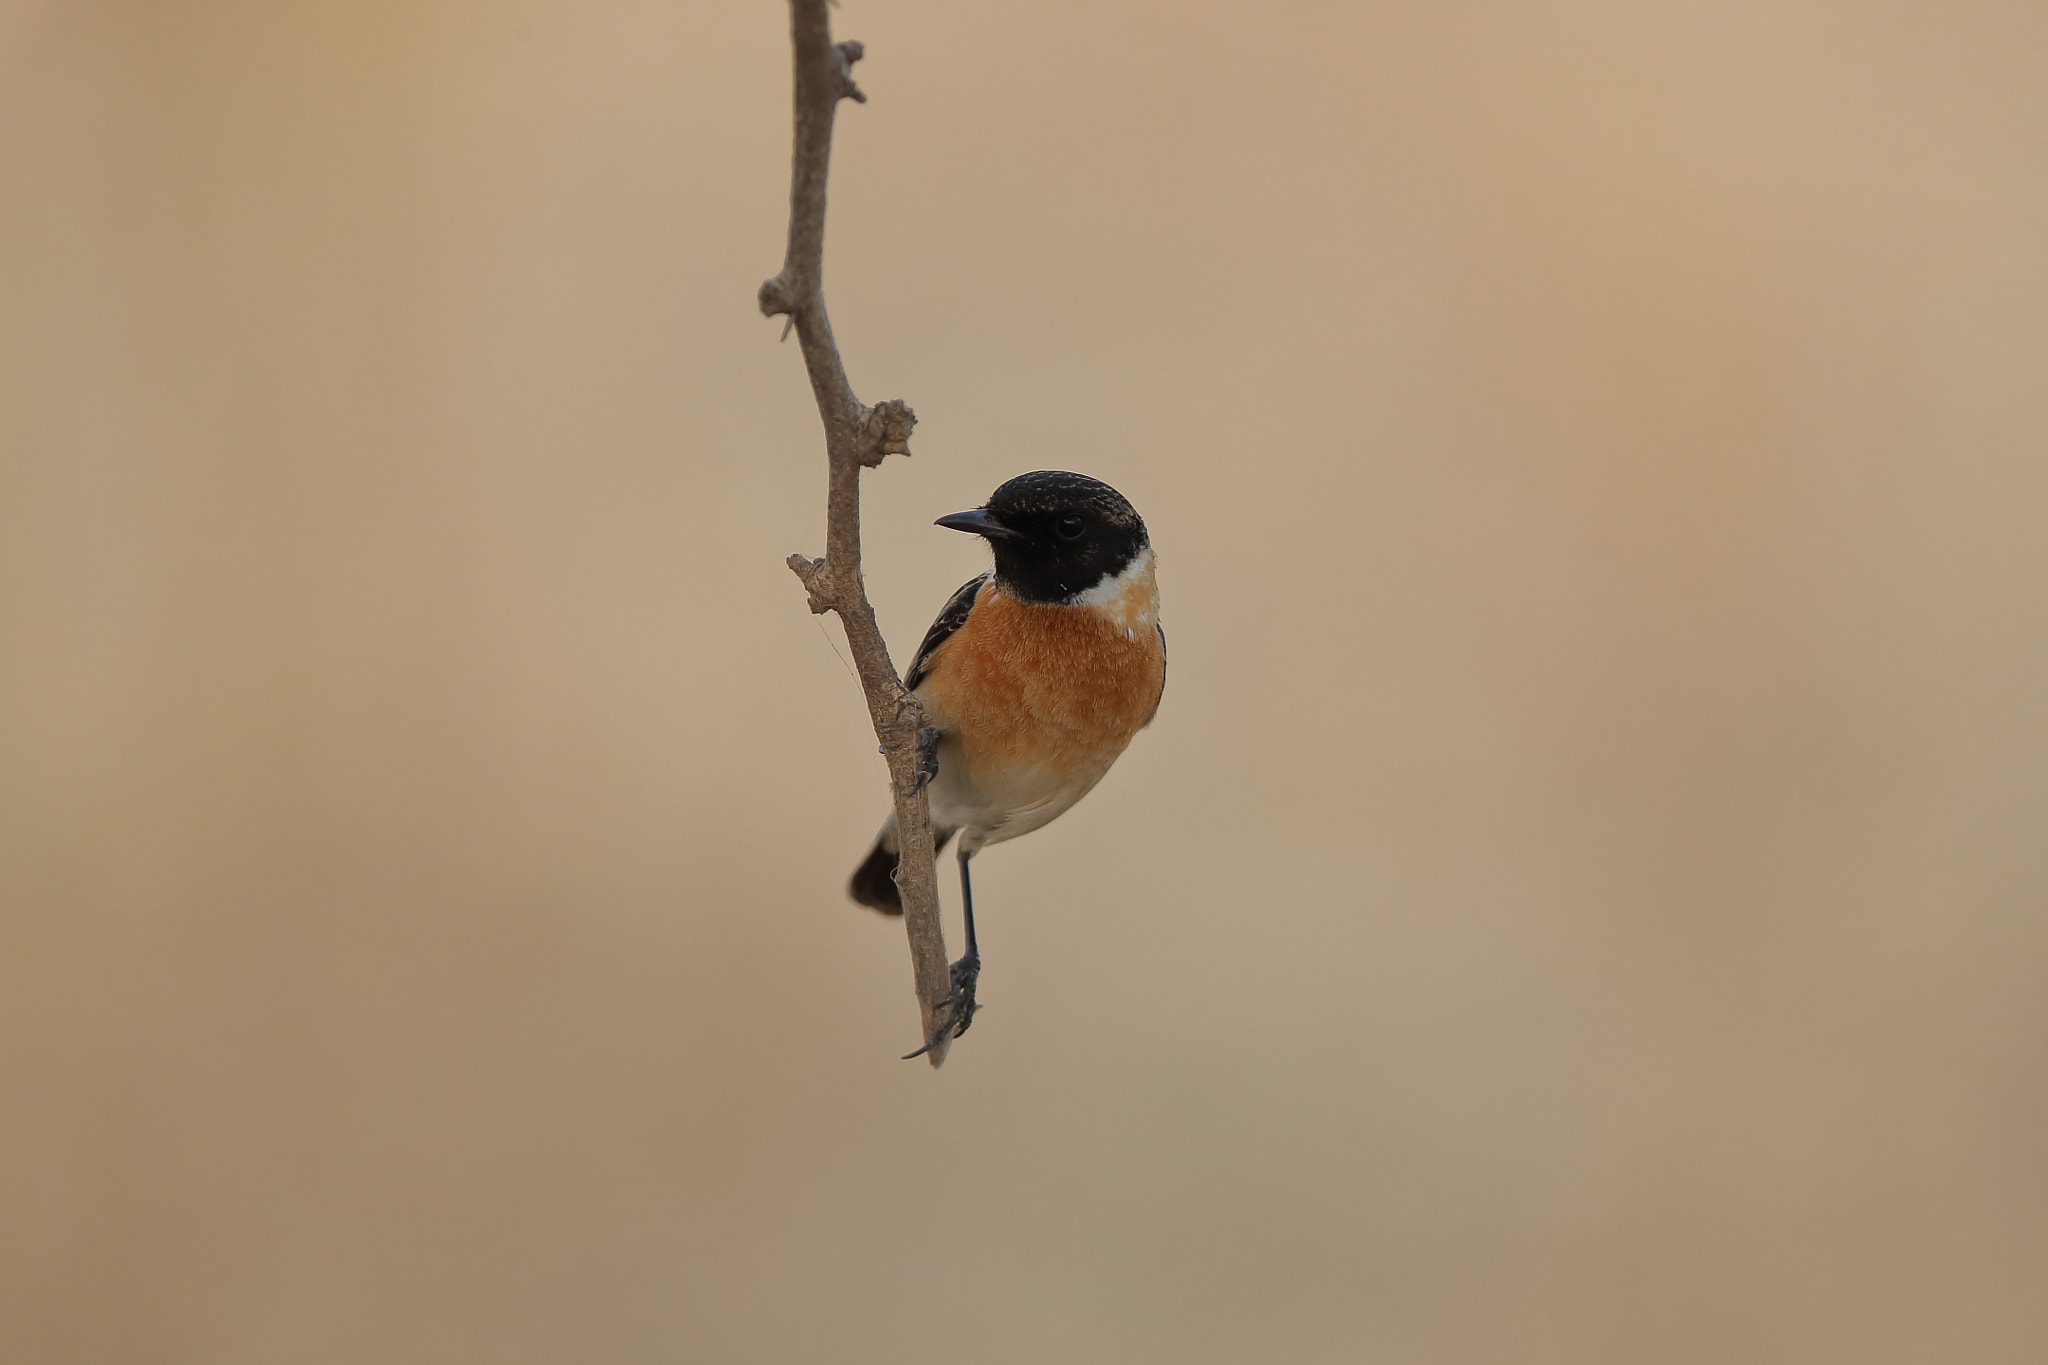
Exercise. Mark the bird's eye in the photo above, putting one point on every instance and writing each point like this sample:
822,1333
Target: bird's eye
1068,528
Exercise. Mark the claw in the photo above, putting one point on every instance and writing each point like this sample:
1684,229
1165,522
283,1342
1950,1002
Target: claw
960,1006
927,757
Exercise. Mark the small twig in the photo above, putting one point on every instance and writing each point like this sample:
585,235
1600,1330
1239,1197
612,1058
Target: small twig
856,437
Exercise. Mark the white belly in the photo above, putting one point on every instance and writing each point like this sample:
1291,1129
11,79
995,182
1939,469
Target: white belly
1002,805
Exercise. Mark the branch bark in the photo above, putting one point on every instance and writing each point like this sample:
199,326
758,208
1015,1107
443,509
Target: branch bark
856,437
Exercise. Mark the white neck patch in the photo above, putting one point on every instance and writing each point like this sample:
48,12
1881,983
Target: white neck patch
1112,590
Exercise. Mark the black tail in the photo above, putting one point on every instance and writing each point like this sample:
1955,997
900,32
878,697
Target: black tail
874,881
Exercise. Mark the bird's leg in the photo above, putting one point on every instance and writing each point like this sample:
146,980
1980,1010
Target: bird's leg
968,969
960,1006
927,755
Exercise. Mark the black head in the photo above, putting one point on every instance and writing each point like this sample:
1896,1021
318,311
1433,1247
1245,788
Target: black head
1055,534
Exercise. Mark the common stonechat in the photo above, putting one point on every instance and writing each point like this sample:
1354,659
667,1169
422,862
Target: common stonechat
1034,678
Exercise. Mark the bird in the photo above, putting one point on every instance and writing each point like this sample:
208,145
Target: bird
1034,678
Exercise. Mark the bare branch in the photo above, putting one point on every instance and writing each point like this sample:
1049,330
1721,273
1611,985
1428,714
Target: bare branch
856,437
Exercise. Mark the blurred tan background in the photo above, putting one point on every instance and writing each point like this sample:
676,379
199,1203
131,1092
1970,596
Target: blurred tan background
1585,898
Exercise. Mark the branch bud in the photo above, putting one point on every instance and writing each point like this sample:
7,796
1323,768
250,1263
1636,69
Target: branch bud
844,56
817,584
885,430
775,298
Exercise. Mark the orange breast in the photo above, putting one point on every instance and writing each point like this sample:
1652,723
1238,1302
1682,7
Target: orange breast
1054,688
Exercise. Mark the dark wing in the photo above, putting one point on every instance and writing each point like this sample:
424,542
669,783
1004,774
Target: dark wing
950,619
1162,671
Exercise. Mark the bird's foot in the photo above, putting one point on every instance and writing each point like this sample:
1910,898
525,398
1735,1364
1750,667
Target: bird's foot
927,757
960,1005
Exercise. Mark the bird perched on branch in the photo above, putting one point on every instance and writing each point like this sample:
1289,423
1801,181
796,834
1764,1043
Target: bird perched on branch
1034,677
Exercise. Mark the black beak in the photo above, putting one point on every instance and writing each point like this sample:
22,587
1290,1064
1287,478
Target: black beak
980,523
